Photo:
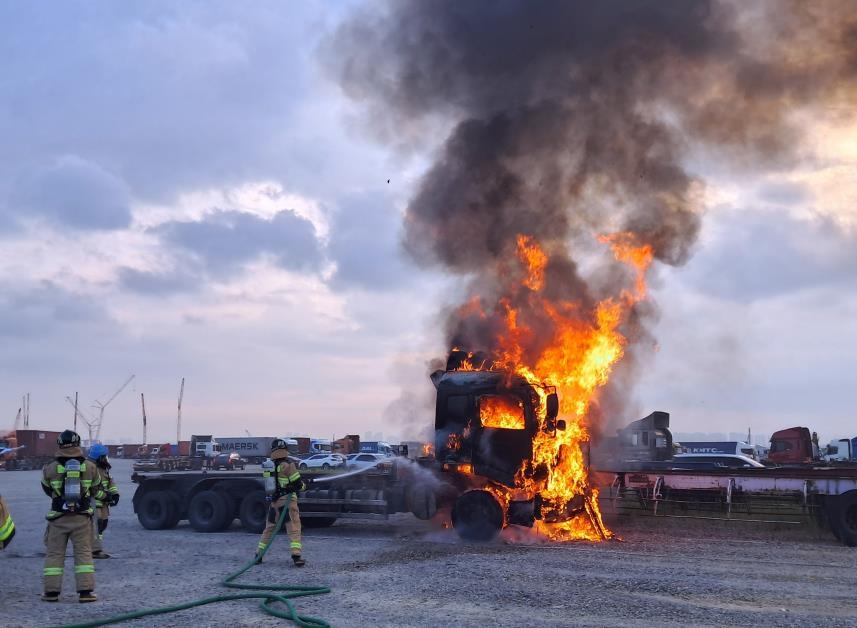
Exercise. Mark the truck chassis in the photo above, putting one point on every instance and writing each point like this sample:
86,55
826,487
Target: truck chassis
212,500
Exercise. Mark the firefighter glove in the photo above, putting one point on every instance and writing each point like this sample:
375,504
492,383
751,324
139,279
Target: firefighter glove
114,499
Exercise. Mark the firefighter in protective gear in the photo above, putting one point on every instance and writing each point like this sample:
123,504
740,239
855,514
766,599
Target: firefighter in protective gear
72,484
287,485
98,454
7,528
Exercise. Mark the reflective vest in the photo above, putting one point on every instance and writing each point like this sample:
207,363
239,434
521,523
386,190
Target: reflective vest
288,478
108,488
53,484
7,528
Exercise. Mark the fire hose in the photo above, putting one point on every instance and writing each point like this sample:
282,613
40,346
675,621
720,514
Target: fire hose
270,595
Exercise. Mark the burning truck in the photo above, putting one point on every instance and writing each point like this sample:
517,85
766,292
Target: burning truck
499,441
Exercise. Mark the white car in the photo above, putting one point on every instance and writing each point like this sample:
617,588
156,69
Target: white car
364,460
322,461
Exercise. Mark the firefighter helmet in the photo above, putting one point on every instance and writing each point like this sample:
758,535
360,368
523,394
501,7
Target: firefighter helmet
97,451
68,439
278,443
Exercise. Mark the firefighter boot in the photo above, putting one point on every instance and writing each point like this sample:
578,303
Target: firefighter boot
51,596
299,562
100,554
86,596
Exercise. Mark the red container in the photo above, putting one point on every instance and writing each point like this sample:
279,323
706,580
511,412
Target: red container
37,443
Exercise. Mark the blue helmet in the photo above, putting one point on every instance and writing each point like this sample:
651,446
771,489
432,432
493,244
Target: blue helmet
97,451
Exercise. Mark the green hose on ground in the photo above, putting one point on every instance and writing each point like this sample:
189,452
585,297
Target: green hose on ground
269,593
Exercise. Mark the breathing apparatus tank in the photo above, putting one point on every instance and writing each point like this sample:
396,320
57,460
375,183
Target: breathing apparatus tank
71,490
268,474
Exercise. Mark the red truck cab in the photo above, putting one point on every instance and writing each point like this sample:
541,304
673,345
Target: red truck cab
794,445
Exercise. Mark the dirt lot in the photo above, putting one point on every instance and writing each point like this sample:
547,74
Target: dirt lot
405,572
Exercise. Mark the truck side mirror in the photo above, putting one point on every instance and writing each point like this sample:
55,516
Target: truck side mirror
560,425
551,406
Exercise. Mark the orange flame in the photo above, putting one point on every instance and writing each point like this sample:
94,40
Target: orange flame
502,412
578,361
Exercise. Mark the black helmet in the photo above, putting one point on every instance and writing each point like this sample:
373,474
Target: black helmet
68,439
278,443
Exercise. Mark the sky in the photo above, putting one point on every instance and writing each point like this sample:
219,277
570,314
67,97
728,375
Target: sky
190,191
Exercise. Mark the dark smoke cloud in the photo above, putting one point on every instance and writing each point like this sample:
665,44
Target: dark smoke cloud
570,119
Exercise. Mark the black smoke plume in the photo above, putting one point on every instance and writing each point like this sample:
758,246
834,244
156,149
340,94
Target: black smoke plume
570,118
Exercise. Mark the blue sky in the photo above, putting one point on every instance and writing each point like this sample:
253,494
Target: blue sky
189,192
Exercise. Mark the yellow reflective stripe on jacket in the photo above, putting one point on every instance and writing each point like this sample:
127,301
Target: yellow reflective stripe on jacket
294,477
7,528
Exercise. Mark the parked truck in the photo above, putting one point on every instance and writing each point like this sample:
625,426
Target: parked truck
194,454
841,450
718,447
29,449
254,449
376,447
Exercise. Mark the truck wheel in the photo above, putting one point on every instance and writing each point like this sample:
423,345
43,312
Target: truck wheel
208,512
175,510
846,518
477,516
423,503
156,510
254,512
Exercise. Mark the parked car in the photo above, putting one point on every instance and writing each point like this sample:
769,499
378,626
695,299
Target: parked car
322,461
718,461
361,461
229,462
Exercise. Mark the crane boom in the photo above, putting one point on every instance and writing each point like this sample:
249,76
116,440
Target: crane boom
101,407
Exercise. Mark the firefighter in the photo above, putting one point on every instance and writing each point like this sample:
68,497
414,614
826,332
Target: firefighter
72,484
98,454
7,528
287,483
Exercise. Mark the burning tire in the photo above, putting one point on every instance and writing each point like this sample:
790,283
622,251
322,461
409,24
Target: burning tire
208,512
157,510
477,516
254,512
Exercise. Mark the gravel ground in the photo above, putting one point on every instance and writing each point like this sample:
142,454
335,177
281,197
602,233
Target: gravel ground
405,572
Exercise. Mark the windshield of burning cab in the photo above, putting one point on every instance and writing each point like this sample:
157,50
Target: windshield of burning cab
502,411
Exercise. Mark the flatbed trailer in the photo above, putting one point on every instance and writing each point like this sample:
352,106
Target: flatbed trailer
212,500
779,494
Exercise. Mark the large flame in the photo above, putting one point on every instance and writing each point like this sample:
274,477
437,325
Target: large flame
578,361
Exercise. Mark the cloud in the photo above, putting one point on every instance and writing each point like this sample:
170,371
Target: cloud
154,283
364,243
45,309
225,240
760,254
75,193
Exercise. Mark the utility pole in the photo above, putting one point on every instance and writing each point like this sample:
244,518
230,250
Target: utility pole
179,419
143,403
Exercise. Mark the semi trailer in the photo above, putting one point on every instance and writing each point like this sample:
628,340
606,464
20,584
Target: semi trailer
641,474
